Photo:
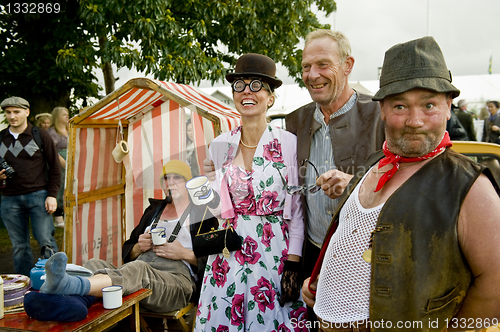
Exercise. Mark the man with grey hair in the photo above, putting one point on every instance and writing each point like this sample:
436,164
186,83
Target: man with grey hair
466,119
415,243
337,132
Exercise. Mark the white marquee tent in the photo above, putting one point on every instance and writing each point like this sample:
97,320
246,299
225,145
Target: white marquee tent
476,89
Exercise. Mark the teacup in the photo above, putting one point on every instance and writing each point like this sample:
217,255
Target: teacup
200,190
158,236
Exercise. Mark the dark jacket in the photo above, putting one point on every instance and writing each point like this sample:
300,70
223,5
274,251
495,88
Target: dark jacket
147,218
355,135
468,123
488,134
418,271
455,129
30,164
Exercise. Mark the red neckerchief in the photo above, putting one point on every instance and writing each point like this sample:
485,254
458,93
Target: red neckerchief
394,159
390,158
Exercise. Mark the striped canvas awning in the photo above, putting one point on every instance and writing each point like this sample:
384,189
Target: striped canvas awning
104,199
141,95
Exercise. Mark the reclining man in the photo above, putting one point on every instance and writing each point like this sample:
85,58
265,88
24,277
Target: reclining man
415,247
166,269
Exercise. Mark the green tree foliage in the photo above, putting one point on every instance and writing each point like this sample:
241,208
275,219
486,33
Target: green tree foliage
29,46
180,41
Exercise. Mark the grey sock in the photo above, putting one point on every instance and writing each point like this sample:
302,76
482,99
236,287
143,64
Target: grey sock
59,282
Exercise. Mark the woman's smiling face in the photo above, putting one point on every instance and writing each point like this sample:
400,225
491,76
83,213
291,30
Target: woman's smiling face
249,103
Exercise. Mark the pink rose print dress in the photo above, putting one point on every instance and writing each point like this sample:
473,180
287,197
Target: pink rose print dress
241,293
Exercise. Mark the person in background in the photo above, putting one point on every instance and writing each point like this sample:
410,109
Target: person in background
454,127
59,132
43,120
483,114
415,244
255,287
337,132
466,119
169,269
29,193
491,130
191,158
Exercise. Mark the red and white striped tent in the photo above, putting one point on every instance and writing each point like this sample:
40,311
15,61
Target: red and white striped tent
105,199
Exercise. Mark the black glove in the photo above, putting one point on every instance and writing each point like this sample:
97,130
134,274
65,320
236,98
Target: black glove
215,201
290,282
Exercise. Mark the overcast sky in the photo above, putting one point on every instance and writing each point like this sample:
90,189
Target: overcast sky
468,32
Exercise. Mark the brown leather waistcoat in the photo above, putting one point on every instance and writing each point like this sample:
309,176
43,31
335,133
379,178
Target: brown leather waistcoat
355,135
419,275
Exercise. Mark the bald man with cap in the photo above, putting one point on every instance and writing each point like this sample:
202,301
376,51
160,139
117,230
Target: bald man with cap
413,244
170,269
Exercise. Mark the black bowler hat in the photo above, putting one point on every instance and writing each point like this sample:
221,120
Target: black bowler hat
415,64
255,65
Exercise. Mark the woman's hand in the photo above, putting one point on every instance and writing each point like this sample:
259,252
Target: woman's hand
290,281
495,128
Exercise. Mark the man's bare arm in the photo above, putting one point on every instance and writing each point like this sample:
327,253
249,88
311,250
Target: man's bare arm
479,235
143,244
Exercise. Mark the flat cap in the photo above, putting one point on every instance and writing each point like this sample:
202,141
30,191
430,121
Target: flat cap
15,102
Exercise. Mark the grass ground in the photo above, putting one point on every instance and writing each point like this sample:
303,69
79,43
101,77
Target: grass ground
6,263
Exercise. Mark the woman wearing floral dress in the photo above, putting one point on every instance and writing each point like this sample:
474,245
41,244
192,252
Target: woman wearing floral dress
258,287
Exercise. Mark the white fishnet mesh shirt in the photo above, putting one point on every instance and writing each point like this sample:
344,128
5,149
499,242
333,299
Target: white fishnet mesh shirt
344,283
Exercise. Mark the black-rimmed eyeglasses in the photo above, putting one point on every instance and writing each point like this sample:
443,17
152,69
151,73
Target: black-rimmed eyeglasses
254,85
298,190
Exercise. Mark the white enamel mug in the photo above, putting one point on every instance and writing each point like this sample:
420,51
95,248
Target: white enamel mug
112,297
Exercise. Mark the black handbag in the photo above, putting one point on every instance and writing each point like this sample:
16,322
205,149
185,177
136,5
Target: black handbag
216,241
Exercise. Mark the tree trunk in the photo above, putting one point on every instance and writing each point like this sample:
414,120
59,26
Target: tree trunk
107,71
109,78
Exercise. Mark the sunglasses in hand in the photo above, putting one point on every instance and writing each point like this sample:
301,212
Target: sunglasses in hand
299,190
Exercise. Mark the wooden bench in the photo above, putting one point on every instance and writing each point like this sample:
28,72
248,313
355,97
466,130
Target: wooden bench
176,320
98,318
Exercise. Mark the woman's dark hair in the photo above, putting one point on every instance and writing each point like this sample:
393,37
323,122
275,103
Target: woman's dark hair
188,122
494,102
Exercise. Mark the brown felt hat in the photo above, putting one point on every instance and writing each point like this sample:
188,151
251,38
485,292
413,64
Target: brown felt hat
415,64
255,65
15,102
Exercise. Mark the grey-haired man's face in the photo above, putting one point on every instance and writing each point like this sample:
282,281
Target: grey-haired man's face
323,72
